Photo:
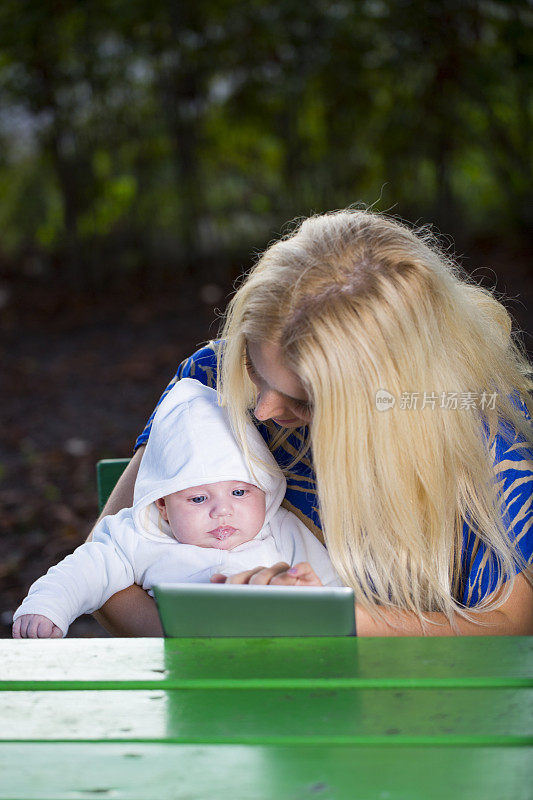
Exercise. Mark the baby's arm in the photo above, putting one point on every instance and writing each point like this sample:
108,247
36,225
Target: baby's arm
131,612
79,584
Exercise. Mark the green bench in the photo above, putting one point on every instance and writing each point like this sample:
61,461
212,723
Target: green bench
262,719
108,471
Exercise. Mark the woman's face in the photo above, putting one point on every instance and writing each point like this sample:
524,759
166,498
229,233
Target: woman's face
281,396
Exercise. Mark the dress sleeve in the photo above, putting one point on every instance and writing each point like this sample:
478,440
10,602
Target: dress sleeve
201,366
513,471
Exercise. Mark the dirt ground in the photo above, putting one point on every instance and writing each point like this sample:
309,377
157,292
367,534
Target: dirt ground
80,374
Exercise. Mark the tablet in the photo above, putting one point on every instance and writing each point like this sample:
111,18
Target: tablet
219,609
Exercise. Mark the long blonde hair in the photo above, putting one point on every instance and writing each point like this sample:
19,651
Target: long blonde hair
359,303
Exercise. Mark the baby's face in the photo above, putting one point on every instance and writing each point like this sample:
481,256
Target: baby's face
221,515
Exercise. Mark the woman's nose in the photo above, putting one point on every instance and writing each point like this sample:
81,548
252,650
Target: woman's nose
269,405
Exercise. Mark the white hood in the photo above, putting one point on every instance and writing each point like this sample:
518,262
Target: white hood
191,443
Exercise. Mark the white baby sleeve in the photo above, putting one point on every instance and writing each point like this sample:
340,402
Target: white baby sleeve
81,583
297,544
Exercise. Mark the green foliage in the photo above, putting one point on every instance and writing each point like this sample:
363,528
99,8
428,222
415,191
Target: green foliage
195,128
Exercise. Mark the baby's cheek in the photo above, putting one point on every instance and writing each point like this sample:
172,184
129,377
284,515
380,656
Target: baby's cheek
192,511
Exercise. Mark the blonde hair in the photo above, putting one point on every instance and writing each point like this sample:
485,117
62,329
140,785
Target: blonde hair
358,302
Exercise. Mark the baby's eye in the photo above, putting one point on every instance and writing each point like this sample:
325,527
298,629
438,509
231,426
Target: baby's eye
239,492
199,499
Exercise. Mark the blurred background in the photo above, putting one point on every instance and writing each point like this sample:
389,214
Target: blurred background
150,150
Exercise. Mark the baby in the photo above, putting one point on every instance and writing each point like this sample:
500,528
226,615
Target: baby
197,510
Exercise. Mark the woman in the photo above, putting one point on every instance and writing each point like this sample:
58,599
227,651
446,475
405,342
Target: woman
358,344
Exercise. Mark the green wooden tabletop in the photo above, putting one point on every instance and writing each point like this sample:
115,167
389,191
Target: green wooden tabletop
468,661
267,718
233,772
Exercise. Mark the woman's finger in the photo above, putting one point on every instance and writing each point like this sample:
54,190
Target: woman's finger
259,576
264,576
306,574
300,575
239,577
218,577
244,577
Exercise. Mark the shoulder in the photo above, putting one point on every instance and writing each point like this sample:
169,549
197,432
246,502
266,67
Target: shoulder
513,472
512,459
116,530
201,365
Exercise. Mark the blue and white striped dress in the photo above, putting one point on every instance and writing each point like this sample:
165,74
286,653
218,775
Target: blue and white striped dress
513,471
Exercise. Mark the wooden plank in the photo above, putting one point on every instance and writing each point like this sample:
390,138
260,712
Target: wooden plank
188,772
273,716
332,662
82,660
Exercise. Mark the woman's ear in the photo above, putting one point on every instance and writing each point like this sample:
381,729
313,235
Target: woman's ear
160,503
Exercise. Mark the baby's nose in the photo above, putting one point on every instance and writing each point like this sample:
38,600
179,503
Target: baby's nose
221,509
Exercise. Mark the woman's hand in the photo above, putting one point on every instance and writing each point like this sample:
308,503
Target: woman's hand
35,626
279,574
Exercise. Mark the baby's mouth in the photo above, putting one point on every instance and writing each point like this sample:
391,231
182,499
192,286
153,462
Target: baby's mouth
223,532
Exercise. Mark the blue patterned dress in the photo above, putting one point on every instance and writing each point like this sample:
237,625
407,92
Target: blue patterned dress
513,471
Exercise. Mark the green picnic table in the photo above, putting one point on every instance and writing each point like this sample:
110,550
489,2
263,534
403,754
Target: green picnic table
267,718
262,719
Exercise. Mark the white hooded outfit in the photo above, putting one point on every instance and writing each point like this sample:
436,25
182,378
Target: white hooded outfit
191,443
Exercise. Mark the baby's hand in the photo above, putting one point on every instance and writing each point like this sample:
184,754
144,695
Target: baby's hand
35,626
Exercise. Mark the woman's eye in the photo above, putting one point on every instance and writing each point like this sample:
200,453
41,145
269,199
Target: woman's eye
199,499
252,374
239,492
302,406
